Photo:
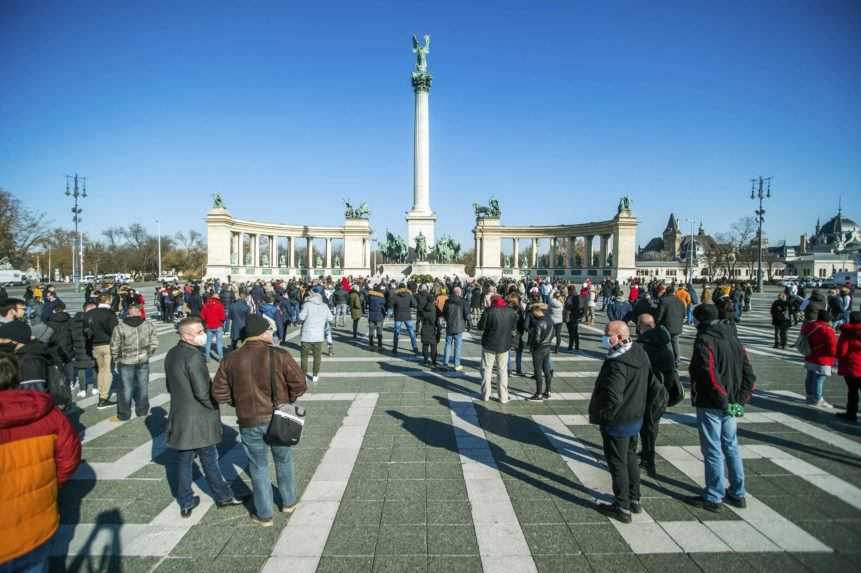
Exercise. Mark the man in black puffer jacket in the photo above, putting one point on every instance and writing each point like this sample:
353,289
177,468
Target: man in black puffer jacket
83,362
722,380
618,406
671,315
655,340
403,302
540,343
61,343
455,311
102,321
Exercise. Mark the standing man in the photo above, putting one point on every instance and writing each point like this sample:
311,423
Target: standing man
403,303
238,312
213,317
376,316
618,406
455,311
84,362
194,422
133,343
722,380
101,323
245,380
499,326
315,317
671,315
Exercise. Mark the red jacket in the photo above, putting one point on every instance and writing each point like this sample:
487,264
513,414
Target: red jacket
823,343
849,350
212,314
634,294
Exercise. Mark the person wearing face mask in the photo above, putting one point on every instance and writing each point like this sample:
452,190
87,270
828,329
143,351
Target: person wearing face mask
618,406
194,422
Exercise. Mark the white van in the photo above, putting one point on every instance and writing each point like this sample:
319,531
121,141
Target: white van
12,278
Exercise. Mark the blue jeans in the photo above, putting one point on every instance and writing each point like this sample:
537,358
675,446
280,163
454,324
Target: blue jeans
719,443
453,342
34,562
212,472
411,330
813,384
257,452
218,334
134,380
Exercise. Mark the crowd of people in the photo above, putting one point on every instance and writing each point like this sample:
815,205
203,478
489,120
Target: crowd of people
108,344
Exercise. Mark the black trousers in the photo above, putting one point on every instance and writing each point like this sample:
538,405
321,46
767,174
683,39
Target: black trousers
621,456
557,332
429,350
356,327
780,335
674,341
649,437
543,373
853,386
573,334
375,328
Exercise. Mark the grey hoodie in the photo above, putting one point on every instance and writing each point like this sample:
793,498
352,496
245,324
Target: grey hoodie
314,317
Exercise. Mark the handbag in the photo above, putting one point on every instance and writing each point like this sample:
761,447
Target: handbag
288,421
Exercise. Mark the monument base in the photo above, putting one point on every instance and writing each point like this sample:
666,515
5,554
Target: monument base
399,271
421,222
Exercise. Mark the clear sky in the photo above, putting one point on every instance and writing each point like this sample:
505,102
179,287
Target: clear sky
557,108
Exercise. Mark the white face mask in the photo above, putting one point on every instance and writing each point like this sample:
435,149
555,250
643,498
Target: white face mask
200,339
605,342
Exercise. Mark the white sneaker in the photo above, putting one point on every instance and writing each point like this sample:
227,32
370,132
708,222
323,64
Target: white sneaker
94,391
315,379
82,394
823,404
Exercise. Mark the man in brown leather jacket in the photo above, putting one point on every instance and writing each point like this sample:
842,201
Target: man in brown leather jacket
243,380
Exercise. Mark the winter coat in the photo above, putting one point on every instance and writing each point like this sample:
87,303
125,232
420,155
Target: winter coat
619,309
195,304
428,313
81,342
376,306
572,308
682,295
403,302
456,315
134,341
780,313
314,317
34,358
339,296
356,306
835,307
102,322
226,297
61,338
194,420
500,324
39,452
477,299
243,381
212,314
555,308
619,395
540,333
643,306
720,370
671,314
823,343
238,312
657,344
849,350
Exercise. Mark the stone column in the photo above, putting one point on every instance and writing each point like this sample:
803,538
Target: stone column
534,254
328,252
589,255
477,251
273,251
421,146
310,252
255,257
605,243
292,249
572,247
516,246
553,250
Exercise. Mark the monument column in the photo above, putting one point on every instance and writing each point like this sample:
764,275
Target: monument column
605,240
534,253
292,258
329,253
590,255
516,247
309,242
421,219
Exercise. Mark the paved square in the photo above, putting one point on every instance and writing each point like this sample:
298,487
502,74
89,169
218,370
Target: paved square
402,468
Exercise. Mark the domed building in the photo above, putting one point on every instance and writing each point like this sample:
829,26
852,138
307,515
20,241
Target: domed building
837,235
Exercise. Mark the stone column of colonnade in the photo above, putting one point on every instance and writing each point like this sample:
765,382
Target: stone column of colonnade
605,240
516,253
309,251
328,252
590,259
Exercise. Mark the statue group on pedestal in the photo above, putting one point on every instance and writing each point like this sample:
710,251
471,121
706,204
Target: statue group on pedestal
395,248
446,251
360,212
491,211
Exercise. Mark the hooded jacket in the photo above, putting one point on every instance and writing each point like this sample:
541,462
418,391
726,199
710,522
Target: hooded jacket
81,341
823,343
376,306
849,350
61,338
102,322
619,396
212,314
456,314
133,342
720,370
403,302
39,452
314,317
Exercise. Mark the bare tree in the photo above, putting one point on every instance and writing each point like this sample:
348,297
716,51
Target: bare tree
21,230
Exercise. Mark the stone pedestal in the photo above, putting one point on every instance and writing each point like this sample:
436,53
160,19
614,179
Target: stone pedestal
424,223
399,271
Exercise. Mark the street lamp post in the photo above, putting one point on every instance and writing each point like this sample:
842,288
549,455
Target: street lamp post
77,192
690,254
758,184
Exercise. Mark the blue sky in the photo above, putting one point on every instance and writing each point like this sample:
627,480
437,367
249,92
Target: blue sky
556,108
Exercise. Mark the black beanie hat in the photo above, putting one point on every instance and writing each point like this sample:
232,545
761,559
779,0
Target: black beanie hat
16,330
255,325
855,316
706,312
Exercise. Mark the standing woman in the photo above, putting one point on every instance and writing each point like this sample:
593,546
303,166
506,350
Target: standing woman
556,308
849,355
572,315
586,302
429,331
357,309
822,354
780,320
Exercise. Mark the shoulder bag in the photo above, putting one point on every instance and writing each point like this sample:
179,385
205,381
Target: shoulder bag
288,421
